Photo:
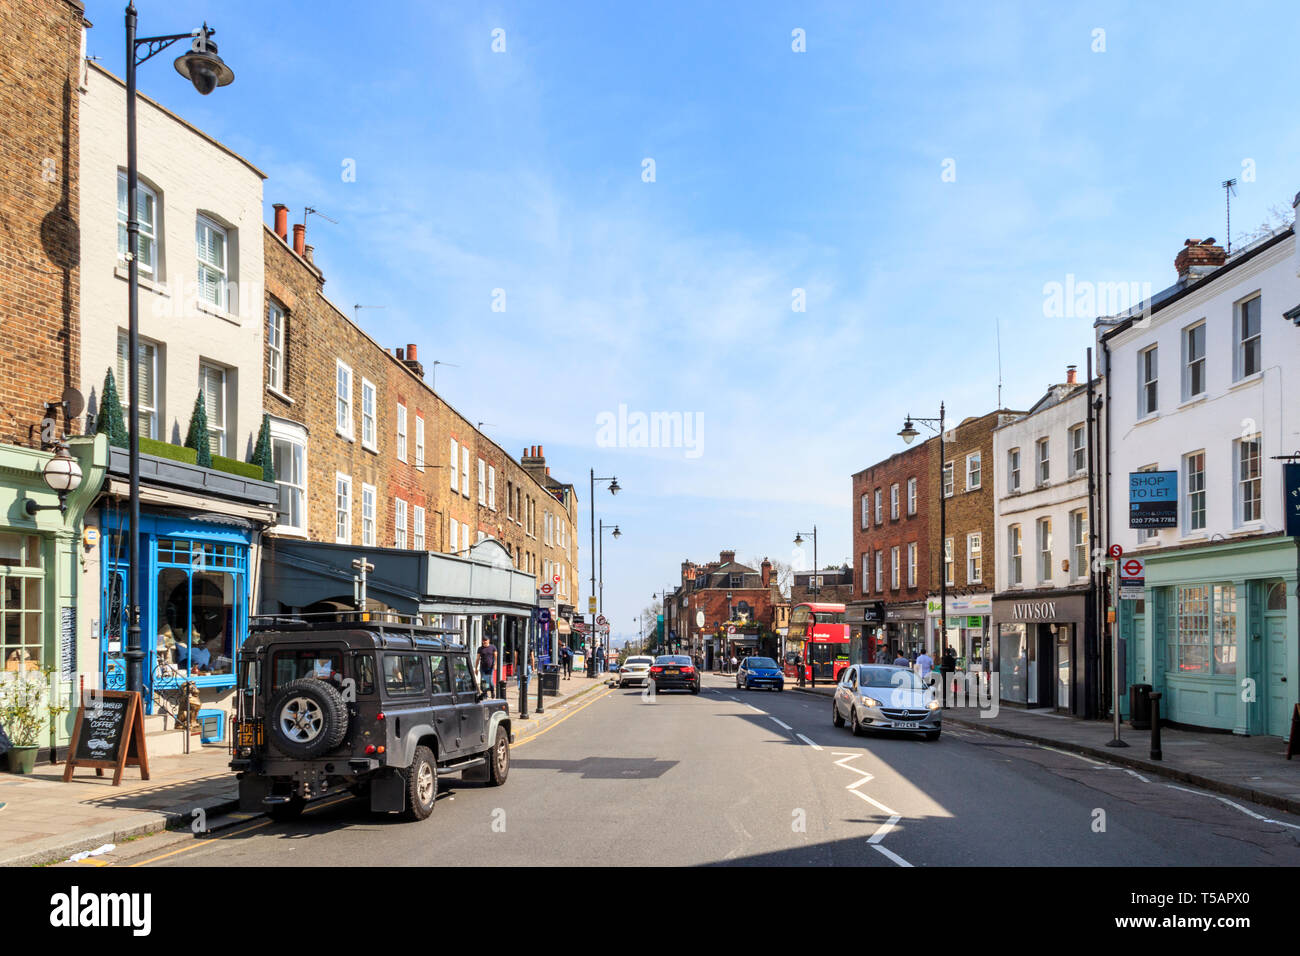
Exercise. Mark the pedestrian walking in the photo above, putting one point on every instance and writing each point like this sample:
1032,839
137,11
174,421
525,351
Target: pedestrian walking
566,652
600,660
924,665
487,662
734,662
947,665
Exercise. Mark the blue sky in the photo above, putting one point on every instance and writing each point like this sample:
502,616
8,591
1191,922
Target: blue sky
774,171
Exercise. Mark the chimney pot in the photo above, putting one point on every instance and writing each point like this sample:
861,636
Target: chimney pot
308,253
1198,258
540,453
401,355
281,220
1071,375
299,237
410,352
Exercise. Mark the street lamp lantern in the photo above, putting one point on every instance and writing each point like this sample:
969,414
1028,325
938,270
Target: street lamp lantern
617,533
61,474
614,486
202,67
908,432
798,539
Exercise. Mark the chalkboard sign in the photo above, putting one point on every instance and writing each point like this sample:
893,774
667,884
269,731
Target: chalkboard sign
1293,742
109,732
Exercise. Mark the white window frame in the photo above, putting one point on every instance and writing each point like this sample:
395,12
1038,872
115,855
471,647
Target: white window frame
464,471
895,570
482,484
342,402
1043,530
1015,556
1148,381
419,442
369,403
911,496
1078,436
1043,462
1240,341
275,321
1248,490
866,572
974,558
417,528
146,201
949,479
911,564
975,471
1193,363
399,522
893,501
492,487
454,470
948,562
1078,543
865,504
150,412
401,431
879,509
295,436
218,430
220,278
342,508
1194,501
880,571
369,515
1013,471
453,536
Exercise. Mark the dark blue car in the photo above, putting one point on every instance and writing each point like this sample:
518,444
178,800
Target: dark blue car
759,672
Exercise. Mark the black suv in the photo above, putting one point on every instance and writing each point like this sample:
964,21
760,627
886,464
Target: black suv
367,703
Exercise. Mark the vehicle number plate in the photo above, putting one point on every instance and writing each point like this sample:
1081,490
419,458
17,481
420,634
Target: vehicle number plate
250,734
907,724
672,670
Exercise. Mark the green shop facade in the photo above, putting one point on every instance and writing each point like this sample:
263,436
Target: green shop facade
44,626
1216,634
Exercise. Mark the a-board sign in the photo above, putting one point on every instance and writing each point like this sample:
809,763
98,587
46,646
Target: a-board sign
109,732
1293,742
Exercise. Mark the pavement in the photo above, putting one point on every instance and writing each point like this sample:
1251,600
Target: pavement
1249,768
44,820
759,778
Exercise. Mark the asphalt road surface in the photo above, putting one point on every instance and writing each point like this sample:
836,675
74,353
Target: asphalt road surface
757,778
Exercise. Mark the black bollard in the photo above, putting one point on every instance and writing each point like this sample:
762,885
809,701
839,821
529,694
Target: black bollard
1156,753
540,708
523,698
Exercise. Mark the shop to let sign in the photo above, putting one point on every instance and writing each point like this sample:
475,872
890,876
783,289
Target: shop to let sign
1153,499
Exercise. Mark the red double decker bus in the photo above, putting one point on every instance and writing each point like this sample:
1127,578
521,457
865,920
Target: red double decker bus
819,636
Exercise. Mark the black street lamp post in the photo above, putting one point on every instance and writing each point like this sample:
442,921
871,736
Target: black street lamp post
812,586
205,69
908,433
613,490
601,581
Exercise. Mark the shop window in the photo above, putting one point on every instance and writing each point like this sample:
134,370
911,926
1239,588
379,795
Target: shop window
22,588
199,607
1203,630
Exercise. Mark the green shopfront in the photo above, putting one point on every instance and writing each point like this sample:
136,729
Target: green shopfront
1216,635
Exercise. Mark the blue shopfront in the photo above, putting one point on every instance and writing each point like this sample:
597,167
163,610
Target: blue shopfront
194,596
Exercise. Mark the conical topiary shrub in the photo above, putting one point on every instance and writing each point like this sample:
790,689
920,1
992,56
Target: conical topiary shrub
262,451
197,437
110,421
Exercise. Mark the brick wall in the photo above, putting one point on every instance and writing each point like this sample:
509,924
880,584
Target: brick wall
40,48
883,536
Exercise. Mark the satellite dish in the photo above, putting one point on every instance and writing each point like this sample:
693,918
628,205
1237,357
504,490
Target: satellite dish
74,403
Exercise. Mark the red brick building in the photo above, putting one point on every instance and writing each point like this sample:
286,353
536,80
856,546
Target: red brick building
725,592
891,545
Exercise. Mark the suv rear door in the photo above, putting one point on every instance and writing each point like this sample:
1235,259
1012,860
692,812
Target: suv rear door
472,731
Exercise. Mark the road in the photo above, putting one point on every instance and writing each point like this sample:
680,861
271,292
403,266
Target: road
756,778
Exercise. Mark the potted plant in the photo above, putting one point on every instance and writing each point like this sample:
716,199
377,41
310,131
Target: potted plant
24,712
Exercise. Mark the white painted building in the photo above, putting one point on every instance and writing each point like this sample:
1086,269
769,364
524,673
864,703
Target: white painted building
1198,388
1041,616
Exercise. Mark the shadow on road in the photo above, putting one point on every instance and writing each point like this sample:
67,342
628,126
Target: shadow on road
603,768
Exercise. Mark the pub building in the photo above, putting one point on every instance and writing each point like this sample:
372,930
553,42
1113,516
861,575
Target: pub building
1039,648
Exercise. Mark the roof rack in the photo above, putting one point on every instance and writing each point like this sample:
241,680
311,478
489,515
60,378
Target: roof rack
351,618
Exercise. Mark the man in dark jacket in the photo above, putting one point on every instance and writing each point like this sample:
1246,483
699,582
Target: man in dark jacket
487,661
947,666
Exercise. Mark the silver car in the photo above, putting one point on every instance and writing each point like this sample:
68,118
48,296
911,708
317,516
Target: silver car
884,697
635,670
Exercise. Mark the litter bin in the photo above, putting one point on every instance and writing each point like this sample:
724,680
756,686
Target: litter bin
1139,706
550,681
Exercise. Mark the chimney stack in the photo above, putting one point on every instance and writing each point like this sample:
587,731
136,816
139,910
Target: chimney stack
1198,259
308,254
409,358
281,220
765,570
299,237
727,556
1071,375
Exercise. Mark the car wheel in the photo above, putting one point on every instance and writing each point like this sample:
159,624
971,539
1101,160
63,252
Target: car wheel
932,735
307,718
836,719
421,785
282,812
857,727
499,759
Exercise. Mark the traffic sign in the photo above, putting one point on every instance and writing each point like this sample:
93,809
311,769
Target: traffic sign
591,604
1133,568
1116,552
548,590
1132,579
557,579
731,629
601,620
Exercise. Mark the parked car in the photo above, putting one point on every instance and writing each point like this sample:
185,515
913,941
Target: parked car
759,672
884,697
675,672
369,704
635,670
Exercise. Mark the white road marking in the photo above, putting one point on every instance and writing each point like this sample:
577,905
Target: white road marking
808,742
1236,806
1136,774
884,829
875,803
781,723
842,753
1096,763
753,708
867,778
892,855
